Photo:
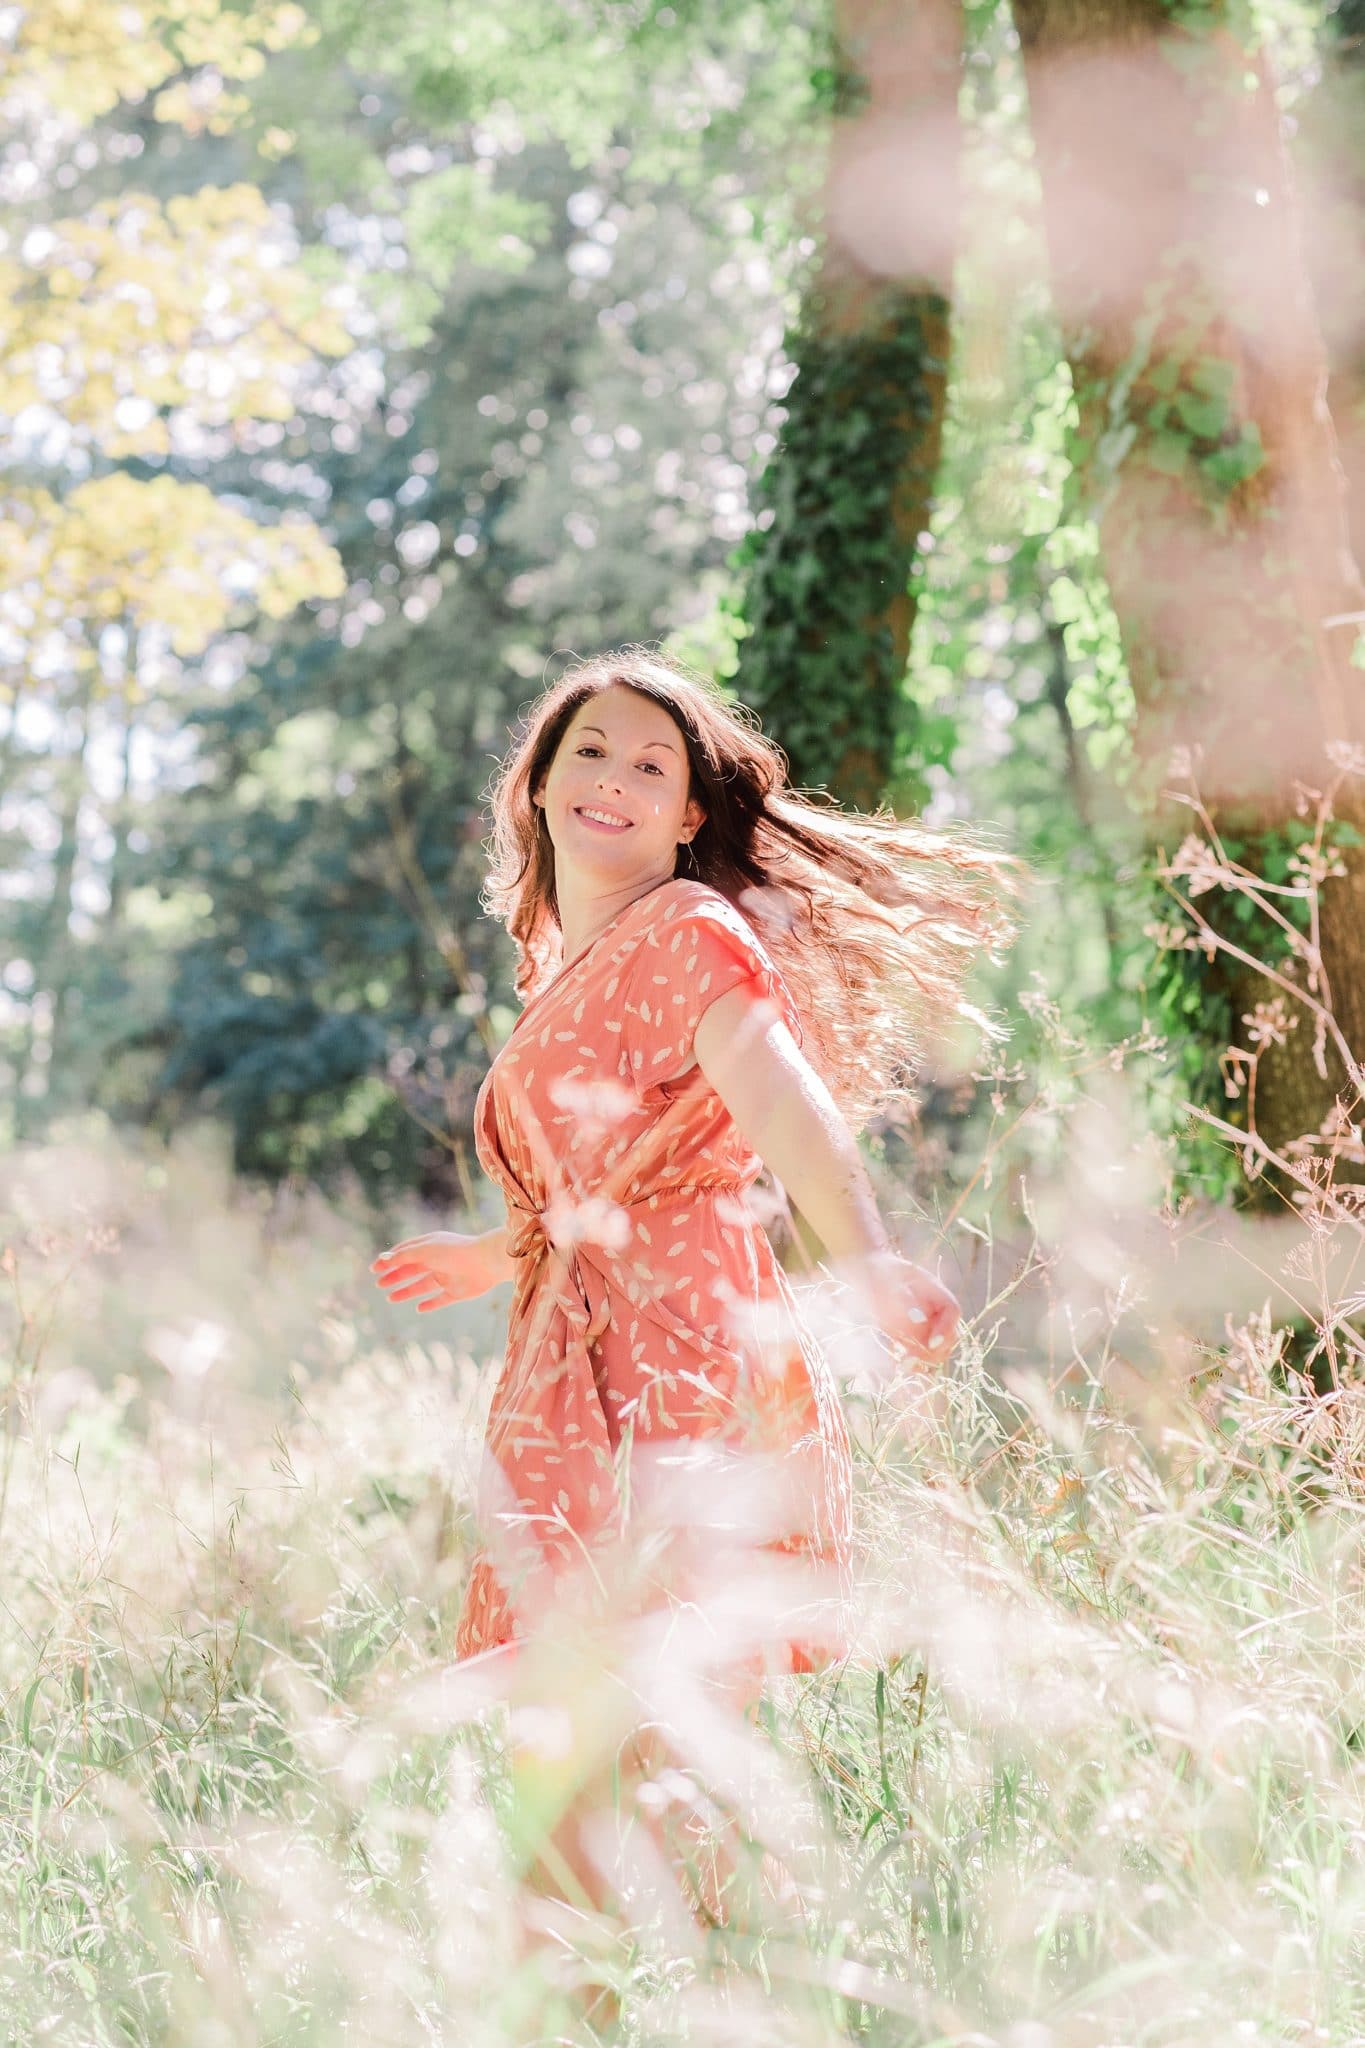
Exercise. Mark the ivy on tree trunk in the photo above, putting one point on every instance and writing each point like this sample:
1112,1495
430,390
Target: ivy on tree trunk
1207,454
829,600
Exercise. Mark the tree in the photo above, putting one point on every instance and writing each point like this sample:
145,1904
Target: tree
1329,156
133,330
555,462
1207,452
829,600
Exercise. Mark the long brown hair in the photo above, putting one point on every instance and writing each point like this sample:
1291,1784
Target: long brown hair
872,921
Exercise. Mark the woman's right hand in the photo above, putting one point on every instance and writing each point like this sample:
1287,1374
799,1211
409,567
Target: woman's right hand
908,1304
441,1268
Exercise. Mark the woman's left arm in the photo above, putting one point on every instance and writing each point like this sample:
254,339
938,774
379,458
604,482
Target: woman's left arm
788,1115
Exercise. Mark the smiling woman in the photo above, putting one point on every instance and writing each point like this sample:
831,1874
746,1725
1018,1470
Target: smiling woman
618,807
717,975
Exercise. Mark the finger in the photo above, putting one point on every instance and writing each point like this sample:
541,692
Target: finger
905,1338
410,1247
423,1284
928,1341
406,1251
429,1295
945,1332
396,1274
405,1269
445,1299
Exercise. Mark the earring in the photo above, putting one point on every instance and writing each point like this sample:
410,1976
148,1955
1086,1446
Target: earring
690,856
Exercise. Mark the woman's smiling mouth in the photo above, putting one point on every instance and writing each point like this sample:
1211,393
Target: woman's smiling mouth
609,821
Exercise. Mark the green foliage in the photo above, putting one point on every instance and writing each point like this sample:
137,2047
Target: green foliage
1186,986
699,95
558,221
457,214
1017,670
832,550
561,238
547,471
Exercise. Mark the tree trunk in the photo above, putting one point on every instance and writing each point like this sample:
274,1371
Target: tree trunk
1331,143
1206,447
830,602
51,966
120,821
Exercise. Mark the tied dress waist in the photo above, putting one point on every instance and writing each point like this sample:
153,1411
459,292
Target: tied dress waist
599,1227
548,1484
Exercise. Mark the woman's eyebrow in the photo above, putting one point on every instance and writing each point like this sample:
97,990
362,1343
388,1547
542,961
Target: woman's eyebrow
644,749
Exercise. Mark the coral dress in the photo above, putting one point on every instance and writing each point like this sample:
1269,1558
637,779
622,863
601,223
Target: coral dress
649,1309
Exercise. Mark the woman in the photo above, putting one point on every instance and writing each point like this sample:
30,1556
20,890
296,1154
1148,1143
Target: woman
717,975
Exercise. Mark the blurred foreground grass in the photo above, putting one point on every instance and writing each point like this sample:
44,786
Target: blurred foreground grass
1097,1780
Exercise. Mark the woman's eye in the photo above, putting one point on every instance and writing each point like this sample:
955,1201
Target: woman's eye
589,748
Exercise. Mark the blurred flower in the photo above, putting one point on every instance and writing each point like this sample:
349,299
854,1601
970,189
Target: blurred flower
190,1351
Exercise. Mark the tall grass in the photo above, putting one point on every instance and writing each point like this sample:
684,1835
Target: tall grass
1092,1776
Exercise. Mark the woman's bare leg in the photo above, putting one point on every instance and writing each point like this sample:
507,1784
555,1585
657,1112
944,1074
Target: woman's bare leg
569,1898
727,1880
565,1899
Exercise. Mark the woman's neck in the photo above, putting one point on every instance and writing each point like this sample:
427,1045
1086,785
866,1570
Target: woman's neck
586,911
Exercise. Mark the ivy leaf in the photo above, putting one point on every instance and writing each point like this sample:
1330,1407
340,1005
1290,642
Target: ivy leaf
1215,377
1232,466
1169,453
1206,417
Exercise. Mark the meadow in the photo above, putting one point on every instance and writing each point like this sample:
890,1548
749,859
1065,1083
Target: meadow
976,392
1092,1774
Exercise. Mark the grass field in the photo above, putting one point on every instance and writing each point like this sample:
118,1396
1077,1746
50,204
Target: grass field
1095,1778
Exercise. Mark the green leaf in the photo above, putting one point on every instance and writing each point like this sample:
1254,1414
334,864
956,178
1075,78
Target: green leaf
1206,417
1215,377
1067,600
1232,466
1169,453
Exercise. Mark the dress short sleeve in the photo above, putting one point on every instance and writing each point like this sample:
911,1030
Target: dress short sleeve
698,948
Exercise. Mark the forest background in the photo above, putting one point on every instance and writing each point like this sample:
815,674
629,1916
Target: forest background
976,390
352,386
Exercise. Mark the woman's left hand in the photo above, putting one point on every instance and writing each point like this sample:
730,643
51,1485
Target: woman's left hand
911,1306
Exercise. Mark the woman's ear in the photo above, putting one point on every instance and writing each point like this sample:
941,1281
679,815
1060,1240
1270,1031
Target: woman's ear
695,816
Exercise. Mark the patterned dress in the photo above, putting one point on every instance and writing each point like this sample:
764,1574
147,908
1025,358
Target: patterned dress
649,1308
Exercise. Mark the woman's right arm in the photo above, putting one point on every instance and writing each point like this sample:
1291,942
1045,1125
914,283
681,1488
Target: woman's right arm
785,1110
444,1266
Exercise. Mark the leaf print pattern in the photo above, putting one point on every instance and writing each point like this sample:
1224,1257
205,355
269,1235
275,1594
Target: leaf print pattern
648,1309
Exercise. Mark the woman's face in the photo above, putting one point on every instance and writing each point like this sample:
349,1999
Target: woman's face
622,758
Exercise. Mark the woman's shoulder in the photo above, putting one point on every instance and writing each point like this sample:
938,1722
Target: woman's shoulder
685,897
707,914
702,941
